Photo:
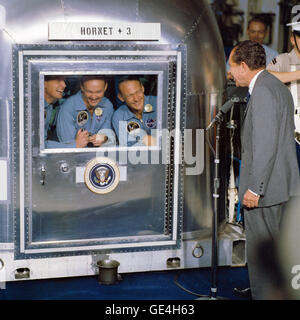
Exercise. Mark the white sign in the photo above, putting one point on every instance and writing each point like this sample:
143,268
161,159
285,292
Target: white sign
103,31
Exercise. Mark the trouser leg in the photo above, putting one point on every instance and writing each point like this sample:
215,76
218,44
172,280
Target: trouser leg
262,225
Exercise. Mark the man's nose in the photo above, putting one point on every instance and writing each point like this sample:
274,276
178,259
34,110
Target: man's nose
136,96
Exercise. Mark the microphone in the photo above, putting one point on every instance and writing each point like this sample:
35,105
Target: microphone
224,109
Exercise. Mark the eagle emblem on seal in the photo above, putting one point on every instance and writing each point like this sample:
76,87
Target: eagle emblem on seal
102,174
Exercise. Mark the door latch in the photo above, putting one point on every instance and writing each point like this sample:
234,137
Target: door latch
43,175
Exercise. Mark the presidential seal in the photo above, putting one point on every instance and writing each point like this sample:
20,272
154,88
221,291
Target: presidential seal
101,175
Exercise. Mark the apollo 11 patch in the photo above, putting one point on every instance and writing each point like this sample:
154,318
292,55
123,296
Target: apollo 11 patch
82,118
132,125
101,175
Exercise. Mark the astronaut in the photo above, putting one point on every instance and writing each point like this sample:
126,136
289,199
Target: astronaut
54,86
85,118
284,67
135,120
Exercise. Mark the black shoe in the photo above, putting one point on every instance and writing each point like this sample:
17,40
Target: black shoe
246,292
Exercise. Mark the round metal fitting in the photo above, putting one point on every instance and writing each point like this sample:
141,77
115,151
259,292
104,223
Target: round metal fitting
198,251
64,167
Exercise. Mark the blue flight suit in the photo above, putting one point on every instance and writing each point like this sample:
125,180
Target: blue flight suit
68,121
145,125
48,114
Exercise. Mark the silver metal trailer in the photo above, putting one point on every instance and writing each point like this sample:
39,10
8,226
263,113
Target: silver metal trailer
158,214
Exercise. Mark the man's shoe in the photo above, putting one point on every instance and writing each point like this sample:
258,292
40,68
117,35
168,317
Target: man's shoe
246,292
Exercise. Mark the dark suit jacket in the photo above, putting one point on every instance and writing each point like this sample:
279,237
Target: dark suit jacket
269,164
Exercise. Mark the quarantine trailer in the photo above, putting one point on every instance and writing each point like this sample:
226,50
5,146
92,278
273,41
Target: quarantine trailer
152,209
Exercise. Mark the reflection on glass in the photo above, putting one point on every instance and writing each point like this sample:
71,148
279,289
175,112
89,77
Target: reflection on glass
100,110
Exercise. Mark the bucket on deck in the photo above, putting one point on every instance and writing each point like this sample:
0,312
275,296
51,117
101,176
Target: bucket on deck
108,271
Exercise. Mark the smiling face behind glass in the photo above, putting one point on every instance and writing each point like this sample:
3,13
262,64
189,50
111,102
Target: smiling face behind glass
54,89
132,92
92,92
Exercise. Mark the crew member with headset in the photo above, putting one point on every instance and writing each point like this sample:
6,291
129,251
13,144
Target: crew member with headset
85,118
135,120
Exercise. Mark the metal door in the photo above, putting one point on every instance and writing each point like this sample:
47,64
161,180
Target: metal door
55,213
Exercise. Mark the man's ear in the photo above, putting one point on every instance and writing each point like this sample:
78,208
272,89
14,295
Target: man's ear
120,97
292,40
244,66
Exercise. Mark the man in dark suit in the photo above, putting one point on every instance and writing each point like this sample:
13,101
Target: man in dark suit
269,172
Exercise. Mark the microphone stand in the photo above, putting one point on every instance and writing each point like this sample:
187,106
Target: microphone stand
216,196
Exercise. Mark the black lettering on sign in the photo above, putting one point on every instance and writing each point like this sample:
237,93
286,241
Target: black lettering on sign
295,9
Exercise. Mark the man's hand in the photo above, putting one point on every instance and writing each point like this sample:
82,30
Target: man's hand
98,139
250,200
82,138
149,141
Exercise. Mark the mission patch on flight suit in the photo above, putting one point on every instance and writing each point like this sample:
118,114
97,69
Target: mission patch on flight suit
132,125
82,118
98,112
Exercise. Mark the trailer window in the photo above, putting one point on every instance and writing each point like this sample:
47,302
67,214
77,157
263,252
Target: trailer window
99,110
